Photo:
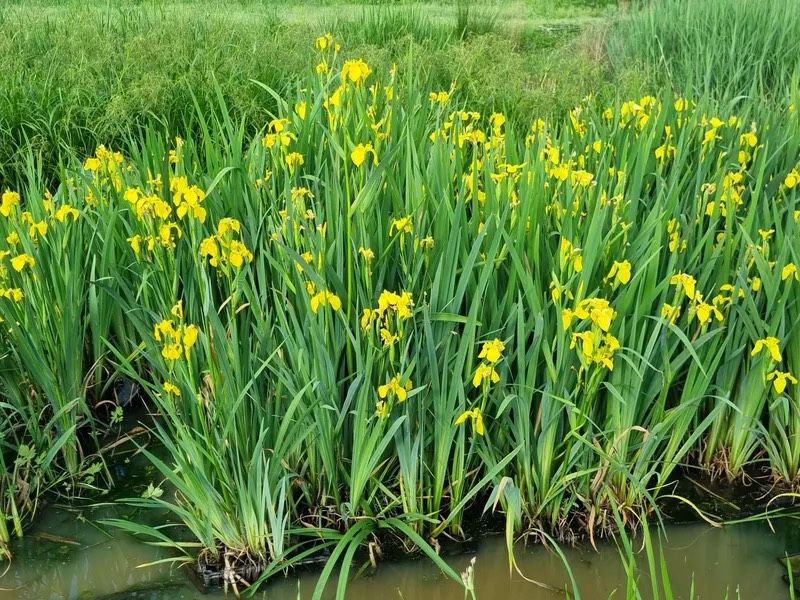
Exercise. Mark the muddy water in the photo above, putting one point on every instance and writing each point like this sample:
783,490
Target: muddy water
69,556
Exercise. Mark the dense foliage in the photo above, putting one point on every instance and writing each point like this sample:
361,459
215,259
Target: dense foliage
386,312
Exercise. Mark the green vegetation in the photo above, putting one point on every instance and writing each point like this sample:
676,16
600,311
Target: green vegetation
372,303
719,48
76,76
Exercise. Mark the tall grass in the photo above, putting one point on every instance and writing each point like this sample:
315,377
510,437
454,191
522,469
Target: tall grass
378,25
726,49
77,76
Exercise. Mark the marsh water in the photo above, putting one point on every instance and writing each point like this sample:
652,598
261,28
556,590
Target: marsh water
68,555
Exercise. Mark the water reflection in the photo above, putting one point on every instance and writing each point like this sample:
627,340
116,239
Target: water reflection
67,557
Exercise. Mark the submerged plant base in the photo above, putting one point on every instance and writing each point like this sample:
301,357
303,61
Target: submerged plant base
699,491
233,570
228,568
695,497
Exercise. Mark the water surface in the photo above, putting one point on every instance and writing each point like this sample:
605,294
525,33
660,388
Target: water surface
67,556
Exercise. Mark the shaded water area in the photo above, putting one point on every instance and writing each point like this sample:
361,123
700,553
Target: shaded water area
67,555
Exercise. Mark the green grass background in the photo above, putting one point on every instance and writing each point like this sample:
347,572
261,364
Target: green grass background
75,74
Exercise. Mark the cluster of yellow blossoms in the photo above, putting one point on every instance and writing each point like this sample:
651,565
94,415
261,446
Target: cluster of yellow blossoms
395,388
562,170
490,353
168,233
675,244
780,379
620,273
792,178
730,195
636,113
463,127
597,344
106,167
322,298
14,294
223,249
23,225
353,78
401,225
475,415
19,262
278,134
569,255
175,337
389,315
485,374
10,200
361,151
187,201
171,389
698,307
147,205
